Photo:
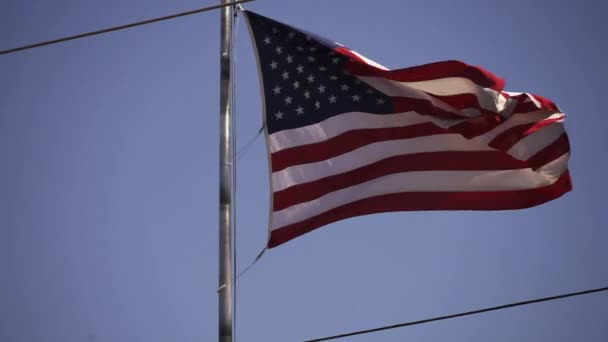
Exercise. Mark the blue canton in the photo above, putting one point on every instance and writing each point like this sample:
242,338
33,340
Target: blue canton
304,78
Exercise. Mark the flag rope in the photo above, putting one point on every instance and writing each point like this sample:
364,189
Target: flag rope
468,313
243,150
243,271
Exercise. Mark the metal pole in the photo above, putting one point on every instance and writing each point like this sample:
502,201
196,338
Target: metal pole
226,177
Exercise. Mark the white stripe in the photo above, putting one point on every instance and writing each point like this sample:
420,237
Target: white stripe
488,98
342,123
534,100
369,154
450,86
381,150
369,61
399,89
336,125
537,141
555,168
501,103
516,120
427,181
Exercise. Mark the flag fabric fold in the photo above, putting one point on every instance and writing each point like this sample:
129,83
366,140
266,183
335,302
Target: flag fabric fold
348,137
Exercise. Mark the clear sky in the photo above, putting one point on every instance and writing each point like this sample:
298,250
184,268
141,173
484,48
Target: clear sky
109,182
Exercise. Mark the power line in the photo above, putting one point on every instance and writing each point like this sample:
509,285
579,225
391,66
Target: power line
122,27
474,312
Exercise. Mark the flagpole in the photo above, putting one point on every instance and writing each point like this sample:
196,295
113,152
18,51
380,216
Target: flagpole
226,177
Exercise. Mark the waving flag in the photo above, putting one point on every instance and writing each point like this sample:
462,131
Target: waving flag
348,137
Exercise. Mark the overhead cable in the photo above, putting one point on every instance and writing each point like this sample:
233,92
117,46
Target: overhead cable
468,313
122,27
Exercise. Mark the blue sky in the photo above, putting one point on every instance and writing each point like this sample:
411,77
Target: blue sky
109,178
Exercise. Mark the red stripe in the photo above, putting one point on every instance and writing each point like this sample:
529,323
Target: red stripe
542,124
545,103
409,201
464,101
557,149
422,107
477,125
432,71
525,107
513,135
354,139
525,104
436,161
460,101
347,142
505,140
482,124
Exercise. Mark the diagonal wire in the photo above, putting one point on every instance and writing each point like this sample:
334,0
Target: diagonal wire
248,145
122,27
468,313
243,271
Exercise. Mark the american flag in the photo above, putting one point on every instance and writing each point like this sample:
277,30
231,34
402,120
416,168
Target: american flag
348,137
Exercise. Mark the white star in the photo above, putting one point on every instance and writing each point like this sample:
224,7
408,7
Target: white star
273,65
289,59
285,75
291,34
313,49
335,60
322,68
277,90
300,110
279,50
369,91
317,104
300,68
296,85
267,40
332,99
311,58
310,79
321,89
344,87
279,115
333,77
288,100
299,48
356,98
380,101
307,94
274,30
